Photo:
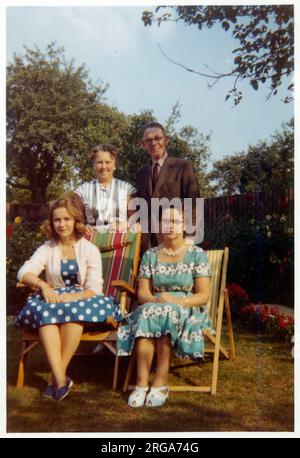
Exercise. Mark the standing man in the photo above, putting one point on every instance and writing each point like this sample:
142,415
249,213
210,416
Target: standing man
164,176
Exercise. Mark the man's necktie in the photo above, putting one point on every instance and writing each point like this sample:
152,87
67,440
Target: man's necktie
155,175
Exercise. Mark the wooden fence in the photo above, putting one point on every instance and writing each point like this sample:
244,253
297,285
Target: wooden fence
225,209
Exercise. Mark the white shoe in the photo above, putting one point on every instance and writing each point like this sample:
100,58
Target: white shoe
157,396
138,396
100,348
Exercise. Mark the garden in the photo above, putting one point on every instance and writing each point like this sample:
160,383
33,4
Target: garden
255,391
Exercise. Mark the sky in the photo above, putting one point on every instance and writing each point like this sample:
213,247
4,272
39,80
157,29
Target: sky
118,49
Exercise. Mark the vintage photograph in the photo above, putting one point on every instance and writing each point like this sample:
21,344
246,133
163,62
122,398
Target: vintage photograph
150,218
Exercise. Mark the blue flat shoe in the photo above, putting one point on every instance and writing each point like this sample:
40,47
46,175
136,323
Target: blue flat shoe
63,391
49,391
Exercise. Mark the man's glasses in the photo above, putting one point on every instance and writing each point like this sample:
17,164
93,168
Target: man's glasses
149,141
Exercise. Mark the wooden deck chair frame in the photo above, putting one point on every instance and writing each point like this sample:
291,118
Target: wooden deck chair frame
107,336
218,260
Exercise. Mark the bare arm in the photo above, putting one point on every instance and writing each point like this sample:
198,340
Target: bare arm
33,281
49,294
145,291
201,296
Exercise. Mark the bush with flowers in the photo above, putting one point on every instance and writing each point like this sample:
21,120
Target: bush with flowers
268,321
261,244
22,239
263,319
238,298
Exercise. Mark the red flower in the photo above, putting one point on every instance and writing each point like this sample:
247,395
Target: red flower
251,309
282,322
206,244
244,311
237,290
265,316
275,311
9,231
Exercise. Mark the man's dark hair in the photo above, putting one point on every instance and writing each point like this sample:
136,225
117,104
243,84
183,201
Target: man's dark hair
151,125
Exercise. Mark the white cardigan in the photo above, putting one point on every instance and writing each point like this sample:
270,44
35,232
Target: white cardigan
48,257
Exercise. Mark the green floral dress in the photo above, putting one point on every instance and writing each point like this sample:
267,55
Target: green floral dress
154,320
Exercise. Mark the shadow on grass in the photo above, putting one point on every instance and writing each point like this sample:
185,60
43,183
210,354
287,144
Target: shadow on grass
255,393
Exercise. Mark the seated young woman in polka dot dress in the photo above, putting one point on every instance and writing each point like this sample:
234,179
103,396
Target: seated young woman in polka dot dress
70,296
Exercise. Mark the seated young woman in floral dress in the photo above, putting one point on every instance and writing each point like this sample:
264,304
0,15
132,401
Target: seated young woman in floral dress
70,296
174,285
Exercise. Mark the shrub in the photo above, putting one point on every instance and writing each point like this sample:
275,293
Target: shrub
261,257
238,298
22,240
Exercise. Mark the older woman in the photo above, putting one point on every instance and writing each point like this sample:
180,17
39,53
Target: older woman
105,198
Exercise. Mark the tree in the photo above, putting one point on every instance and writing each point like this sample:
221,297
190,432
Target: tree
266,166
265,34
54,114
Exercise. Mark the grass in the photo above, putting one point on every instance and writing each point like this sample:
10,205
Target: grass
255,393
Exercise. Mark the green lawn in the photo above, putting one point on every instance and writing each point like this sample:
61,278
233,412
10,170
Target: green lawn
255,393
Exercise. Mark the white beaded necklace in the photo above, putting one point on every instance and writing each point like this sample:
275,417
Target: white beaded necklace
171,252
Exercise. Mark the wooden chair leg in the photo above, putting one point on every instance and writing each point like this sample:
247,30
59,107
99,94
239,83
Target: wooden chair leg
215,370
129,371
22,362
229,325
217,347
116,371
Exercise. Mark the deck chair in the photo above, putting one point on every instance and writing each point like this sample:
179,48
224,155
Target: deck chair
120,253
218,260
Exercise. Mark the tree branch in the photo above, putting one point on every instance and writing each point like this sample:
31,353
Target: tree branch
217,76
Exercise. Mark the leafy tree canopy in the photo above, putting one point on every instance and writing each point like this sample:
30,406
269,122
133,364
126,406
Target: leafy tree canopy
54,115
266,41
266,166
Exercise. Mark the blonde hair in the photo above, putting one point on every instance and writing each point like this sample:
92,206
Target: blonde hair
74,206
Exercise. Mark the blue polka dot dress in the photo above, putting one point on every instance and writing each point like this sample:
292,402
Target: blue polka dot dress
36,312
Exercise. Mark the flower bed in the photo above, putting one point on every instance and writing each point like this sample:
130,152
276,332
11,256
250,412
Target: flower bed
268,321
261,318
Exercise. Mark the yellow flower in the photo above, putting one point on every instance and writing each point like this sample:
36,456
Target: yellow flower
282,219
252,221
268,217
269,234
18,219
273,259
38,235
290,230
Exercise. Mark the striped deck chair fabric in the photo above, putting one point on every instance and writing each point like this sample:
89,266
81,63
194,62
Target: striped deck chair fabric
215,259
117,253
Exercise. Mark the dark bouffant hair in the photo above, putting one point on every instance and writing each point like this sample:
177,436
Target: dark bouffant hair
74,207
